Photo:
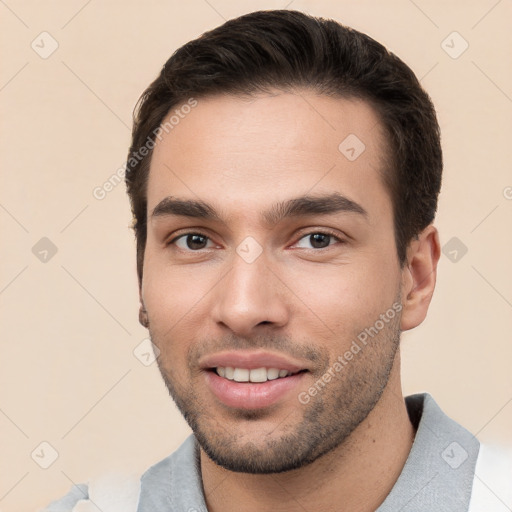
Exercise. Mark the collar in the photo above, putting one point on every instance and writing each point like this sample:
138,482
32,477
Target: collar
438,474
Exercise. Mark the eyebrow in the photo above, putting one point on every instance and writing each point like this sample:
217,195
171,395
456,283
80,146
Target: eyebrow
296,207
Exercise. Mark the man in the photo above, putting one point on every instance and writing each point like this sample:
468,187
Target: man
284,174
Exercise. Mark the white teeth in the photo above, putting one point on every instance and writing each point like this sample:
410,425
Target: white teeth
258,375
272,373
241,375
254,375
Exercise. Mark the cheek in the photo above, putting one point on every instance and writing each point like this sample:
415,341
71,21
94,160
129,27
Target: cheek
172,296
343,300
170,290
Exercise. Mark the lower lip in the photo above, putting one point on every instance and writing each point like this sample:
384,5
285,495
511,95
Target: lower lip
249,395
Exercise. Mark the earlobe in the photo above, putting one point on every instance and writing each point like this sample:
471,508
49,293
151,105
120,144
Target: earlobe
419,277
143,314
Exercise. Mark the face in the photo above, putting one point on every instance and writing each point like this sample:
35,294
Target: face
271,277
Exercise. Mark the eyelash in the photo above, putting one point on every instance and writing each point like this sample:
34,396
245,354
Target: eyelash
324,231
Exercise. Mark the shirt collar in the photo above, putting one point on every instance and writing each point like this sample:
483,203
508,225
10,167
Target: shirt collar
438,474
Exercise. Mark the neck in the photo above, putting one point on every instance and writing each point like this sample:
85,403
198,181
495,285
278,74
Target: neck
356,476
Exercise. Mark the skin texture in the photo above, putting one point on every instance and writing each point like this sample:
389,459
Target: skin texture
344,449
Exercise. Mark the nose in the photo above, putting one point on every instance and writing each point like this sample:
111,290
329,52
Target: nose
249,298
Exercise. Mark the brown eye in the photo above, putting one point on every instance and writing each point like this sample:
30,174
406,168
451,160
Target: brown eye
317,240
191,241
320,240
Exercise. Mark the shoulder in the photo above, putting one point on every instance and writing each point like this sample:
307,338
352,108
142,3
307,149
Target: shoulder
65,504
492,485
170,478
110,493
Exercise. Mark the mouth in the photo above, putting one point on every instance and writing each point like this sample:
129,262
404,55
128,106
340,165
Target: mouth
253,379
252,386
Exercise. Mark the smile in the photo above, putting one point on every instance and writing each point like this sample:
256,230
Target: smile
251,375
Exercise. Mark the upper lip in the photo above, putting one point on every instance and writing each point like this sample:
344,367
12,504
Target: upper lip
250,360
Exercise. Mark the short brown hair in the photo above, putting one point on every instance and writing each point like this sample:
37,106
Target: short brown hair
282,49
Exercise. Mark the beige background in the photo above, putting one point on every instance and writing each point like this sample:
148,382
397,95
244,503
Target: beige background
68,374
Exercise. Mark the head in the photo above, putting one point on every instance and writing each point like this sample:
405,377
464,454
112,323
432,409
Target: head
283,174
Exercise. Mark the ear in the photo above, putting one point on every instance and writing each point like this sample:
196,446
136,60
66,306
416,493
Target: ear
143,314
419,277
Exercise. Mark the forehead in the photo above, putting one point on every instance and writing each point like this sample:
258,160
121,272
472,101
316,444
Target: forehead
267,147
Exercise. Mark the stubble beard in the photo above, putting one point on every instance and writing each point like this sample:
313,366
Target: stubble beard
327,422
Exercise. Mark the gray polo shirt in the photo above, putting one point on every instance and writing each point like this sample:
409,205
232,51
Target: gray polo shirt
437,476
